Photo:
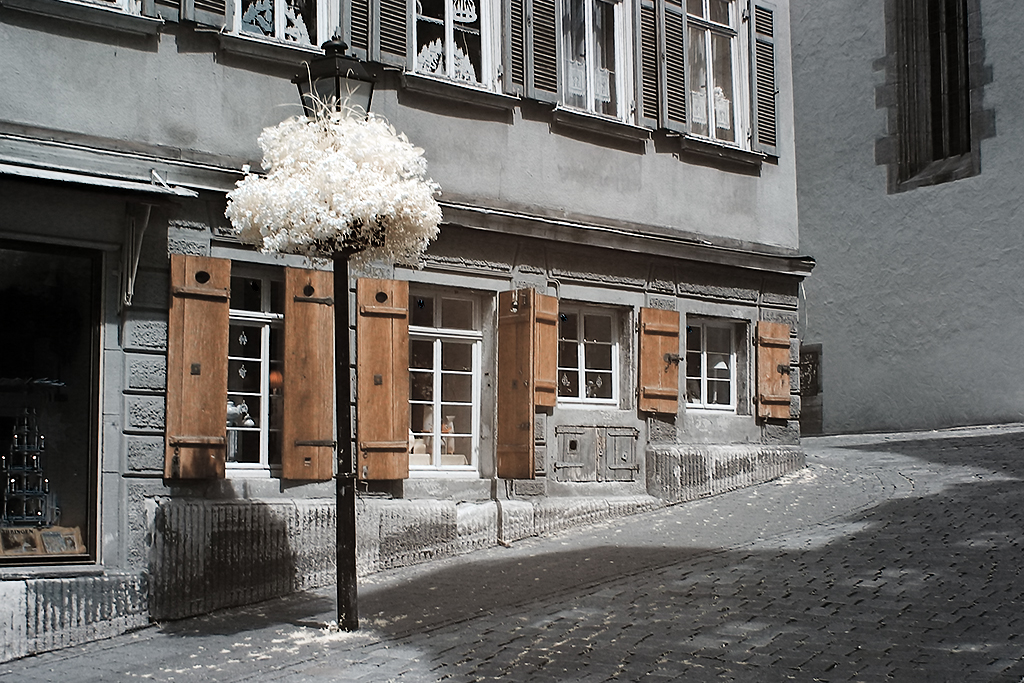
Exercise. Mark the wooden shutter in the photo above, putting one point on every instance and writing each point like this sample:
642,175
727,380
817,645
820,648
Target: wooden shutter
773,367
659,361
542,48
307,428
356,27
762,68
197,368
206,12
516,395
395,28
545,354
379,30
673,77
382,367
514,47
649,62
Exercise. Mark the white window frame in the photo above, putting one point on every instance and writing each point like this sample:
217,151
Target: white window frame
490,45
327,13
741,83
437,335
734,384
623,59
265,319
616,343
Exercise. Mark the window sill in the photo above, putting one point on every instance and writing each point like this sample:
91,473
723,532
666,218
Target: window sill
572,118
941,171
93,15
689,144
265,50
453,90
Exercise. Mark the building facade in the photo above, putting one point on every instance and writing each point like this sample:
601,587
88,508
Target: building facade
906,145
607,322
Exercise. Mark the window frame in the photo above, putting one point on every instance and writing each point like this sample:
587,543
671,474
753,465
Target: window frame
266,320
740,69
437,335
734,371
615,323
622,50
490,32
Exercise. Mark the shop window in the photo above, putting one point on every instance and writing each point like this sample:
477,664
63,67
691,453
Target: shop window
48,403
444,377
711,365
255,371
588,352
591,31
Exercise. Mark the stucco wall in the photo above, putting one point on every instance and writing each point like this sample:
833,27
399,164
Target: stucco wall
179,93
917,297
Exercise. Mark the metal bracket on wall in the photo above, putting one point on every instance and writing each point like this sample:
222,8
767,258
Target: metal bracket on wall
131,250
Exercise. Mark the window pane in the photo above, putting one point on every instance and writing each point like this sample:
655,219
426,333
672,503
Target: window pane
719,393
597,328
599,385
243,446
243,411
719,340
430,55
569,383
567,326
456,420
244,376
693,390
604,68
456,356
693,338
695,7
598,356
466,22
693,363
244,341
300,21
421,311
277,296
456,451
258,17
457,314
568,354
246,294
697,60
574,24
421,386
718,366
719,11
421,354
721,60
458,388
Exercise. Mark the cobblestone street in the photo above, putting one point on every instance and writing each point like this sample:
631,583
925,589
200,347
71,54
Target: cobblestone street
891,557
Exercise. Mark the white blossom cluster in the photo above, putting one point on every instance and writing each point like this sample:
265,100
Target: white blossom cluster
338,182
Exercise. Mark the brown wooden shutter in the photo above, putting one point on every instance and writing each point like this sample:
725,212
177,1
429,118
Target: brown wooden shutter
762,68
773,367
659,361
382,367
545,354
307,427
674,39
516,395
542,50
197,368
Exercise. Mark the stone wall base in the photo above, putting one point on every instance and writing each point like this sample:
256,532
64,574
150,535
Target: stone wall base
678,472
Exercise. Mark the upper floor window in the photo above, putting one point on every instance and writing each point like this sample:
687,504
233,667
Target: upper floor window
303,22
587,355
449,39
715,69
590,41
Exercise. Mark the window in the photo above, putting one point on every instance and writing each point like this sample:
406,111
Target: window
304,22
589,55
49,300
710,365
713,69
444,375
255,364
587,356
934,94
449,39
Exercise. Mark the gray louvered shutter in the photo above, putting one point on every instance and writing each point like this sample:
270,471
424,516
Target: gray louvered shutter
356,27
394,31
649,93
514,47
206,12
542,49
673,35
764,86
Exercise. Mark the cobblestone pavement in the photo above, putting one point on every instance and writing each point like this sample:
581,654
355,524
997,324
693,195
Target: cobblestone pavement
891,557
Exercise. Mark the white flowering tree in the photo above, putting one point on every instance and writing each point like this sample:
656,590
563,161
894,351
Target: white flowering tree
339,185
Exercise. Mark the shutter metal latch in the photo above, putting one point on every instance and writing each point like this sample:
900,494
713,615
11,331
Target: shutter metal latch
783,369
671,358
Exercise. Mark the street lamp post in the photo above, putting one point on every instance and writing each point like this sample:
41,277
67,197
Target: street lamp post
336,82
